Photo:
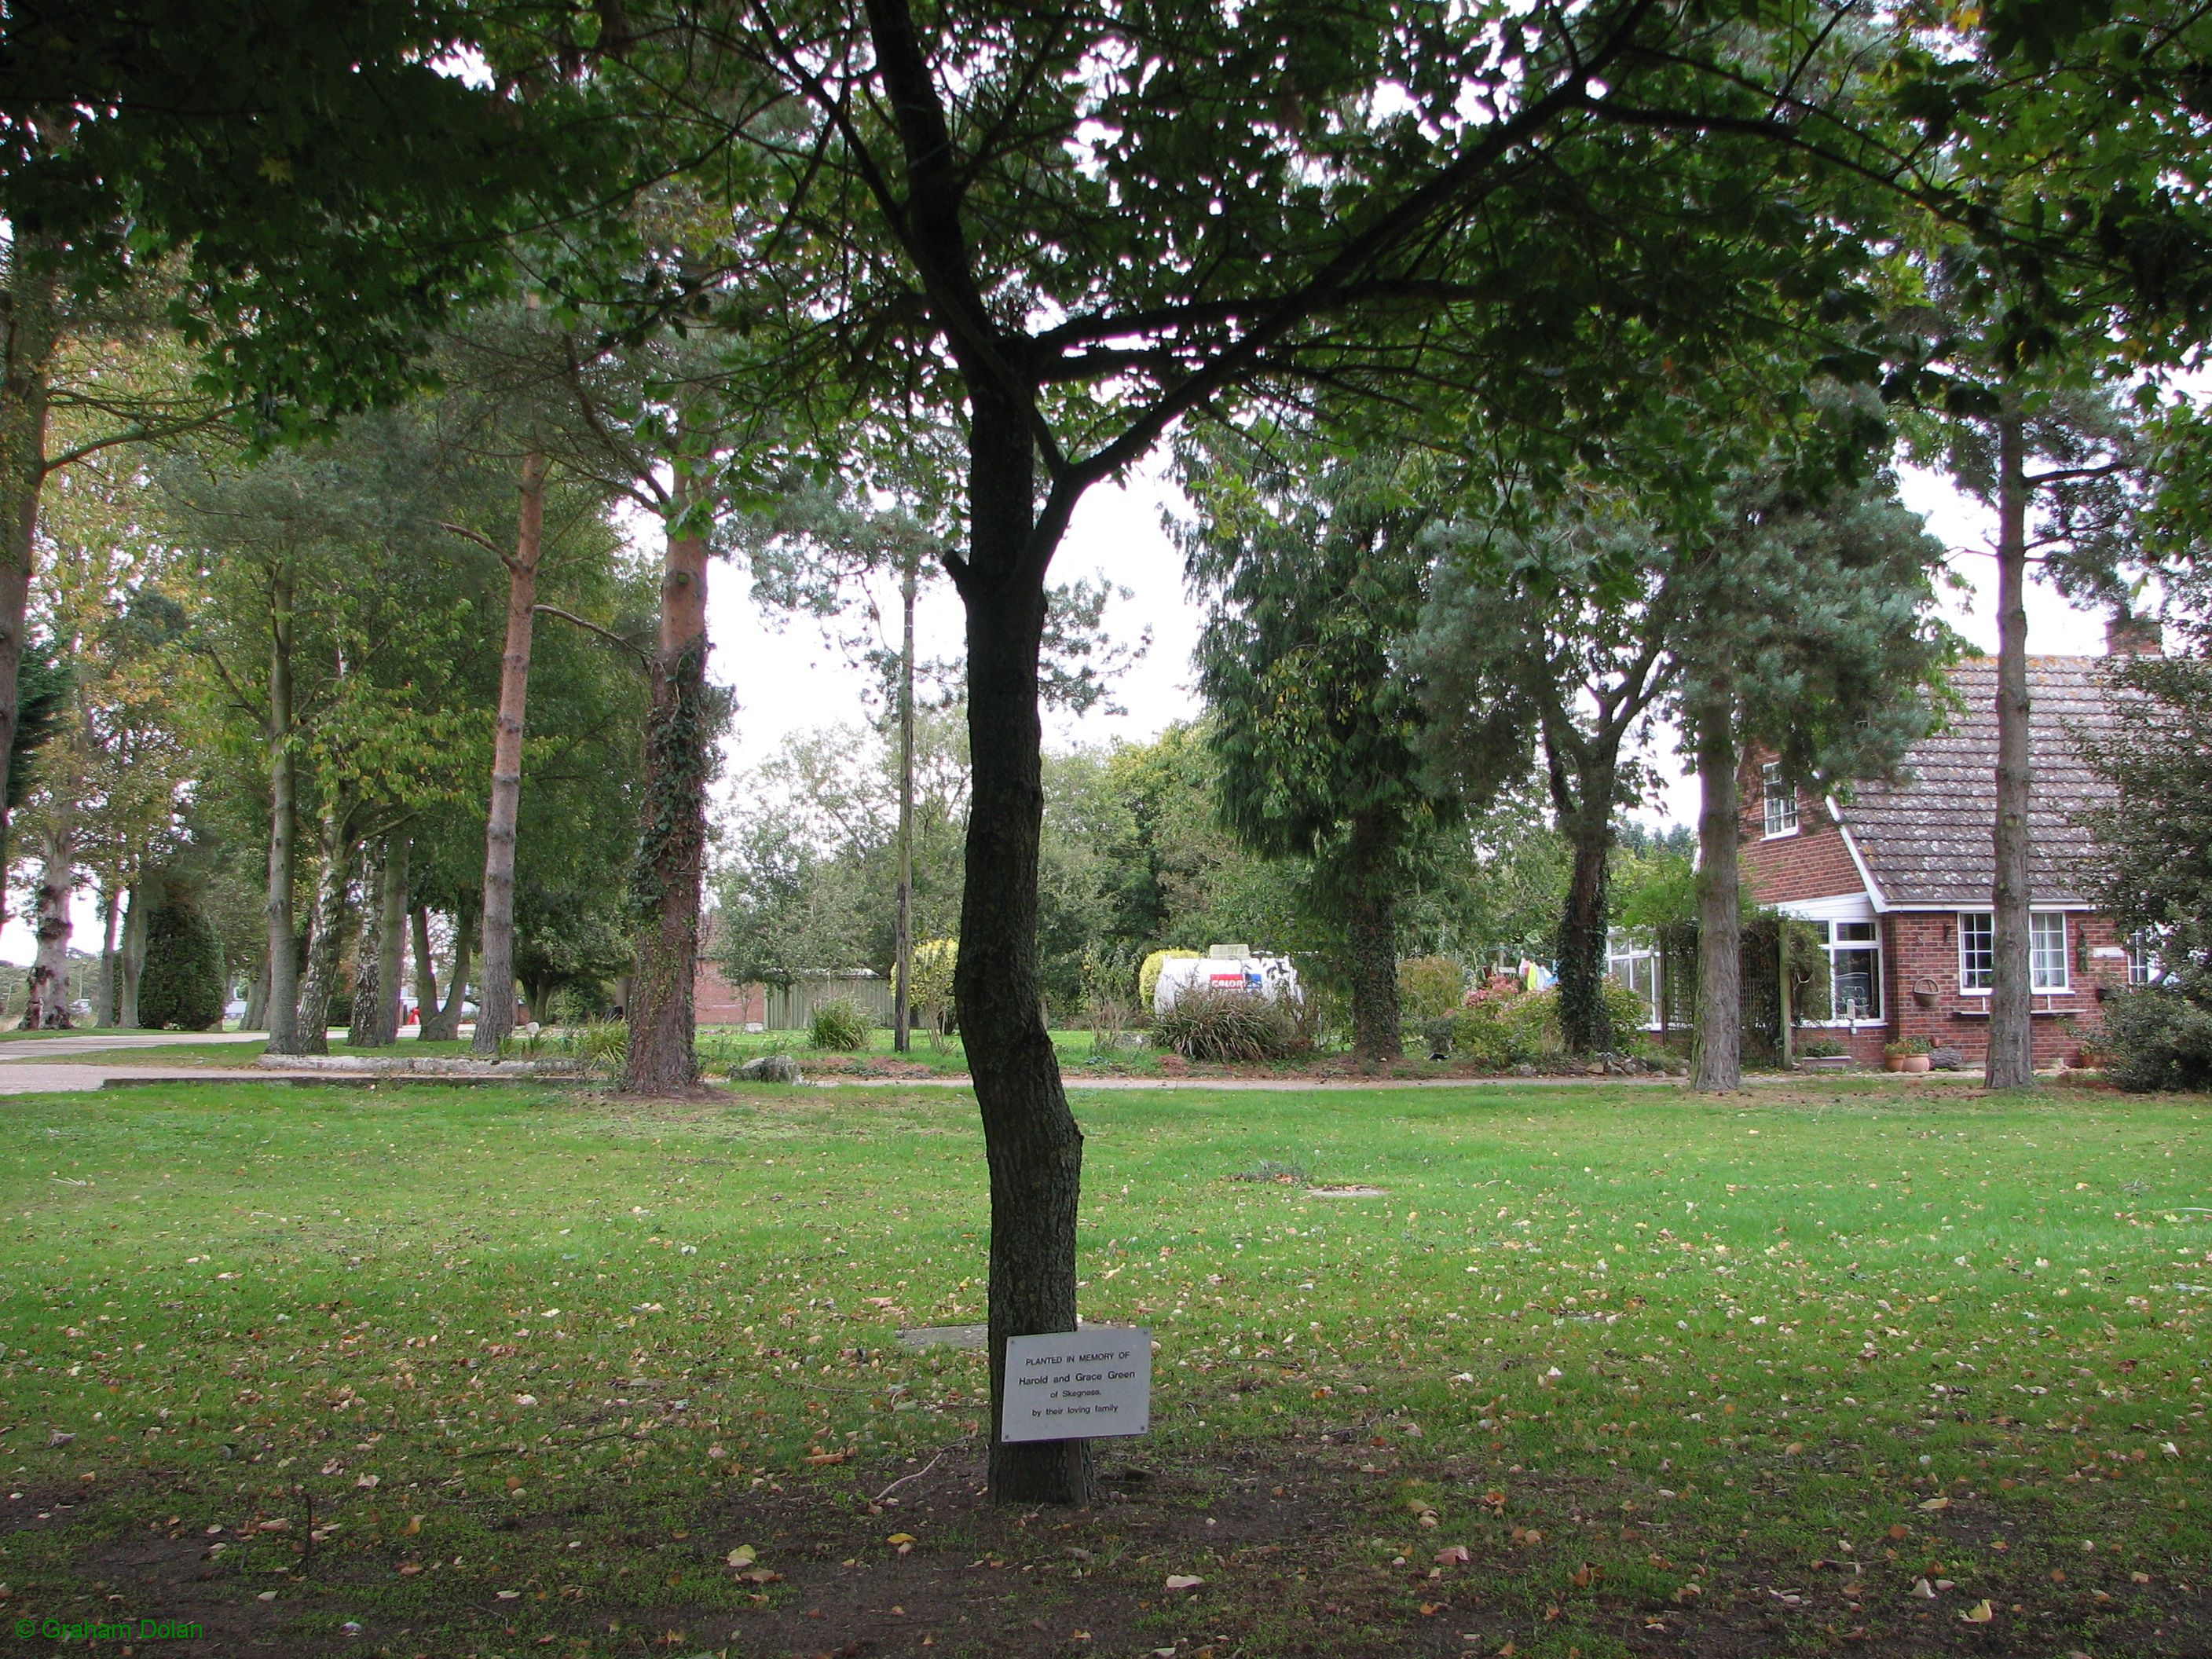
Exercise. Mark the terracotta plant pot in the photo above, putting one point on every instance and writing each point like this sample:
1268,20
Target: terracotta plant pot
1894,1062
1915,1063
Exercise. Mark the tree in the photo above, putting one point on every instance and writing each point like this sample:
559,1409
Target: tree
1811,635
1313,566
2154,841
1564,624
181,986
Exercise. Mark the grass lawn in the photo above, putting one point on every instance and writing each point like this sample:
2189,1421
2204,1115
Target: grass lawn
505,1373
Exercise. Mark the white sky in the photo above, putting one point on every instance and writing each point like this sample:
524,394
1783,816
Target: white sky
792,679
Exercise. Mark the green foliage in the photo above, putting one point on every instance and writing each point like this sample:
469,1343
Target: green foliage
932,999
840,1025
2160,1039
181,986
2153,866
1429,987
1230,1026
1502,1031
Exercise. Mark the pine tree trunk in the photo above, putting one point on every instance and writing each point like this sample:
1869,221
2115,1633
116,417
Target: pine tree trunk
30,329
135,921
104,1013
495,1007
1371,941
367,984
1031,1142
1583,1025
1719,1042
679,740
326,942
280,925
2011,1060
48,1009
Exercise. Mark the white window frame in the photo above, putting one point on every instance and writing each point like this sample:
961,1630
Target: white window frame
1876,1014
1780,804
1988,919
2143,966
2037,920
2037,924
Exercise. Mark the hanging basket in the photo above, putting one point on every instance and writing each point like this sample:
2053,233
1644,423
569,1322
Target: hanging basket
1926,989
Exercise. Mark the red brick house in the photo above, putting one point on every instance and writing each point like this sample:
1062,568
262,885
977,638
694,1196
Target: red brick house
1898,881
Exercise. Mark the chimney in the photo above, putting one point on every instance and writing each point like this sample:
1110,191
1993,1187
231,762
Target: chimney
2129,635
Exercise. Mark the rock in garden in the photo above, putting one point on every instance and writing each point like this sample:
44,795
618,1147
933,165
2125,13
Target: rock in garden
769,1068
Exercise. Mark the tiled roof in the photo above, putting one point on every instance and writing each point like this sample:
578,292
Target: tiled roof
1930,838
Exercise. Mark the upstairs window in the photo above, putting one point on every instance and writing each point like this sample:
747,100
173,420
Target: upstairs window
1978,950
1780,803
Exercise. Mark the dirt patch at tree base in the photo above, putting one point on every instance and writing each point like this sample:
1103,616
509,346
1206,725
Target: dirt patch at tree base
1306,1549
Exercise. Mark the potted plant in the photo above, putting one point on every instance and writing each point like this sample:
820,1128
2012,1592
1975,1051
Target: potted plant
1905,1054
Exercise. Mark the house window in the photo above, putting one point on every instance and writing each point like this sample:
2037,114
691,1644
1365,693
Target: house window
1781,802
1978,950
2046,950
1855,970
2143,966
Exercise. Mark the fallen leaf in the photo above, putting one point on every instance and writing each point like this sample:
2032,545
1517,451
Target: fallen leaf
370,1482
1980,1613
1924,1590
900,1537
1453,1555
510,1596
1183,1581
743,1555
1936,1503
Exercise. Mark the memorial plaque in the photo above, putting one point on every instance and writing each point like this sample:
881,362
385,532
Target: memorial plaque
1079,1385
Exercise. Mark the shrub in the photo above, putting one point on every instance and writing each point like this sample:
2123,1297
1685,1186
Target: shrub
181,988
931,1000
1226,1025
2160,1039
578,1005
1903,1047
1493,1035
840,1025
1148,975
1429,987
1821,1048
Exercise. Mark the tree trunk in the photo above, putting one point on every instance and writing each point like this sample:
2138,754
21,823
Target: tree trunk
456,989
426,969
1583,1025
2011,1060
48,1008
679,747
383,946
326,943
1719,1040
495,1007
30,329
367,983
1372,942
280,925
1032,1145
134,920
104,1014
256,1017
903,943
